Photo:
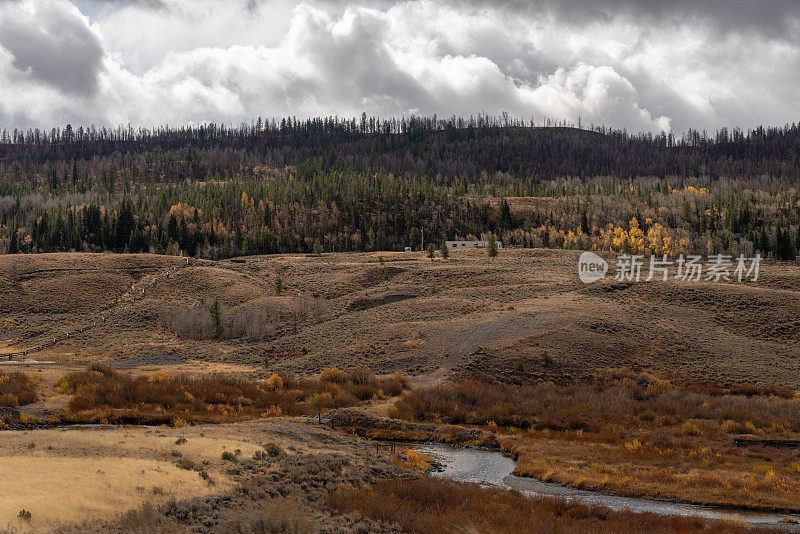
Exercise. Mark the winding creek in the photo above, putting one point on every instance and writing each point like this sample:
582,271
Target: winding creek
488,467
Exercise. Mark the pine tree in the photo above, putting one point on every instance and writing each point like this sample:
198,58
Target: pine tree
415,235
53,179
491,246
505,215
431,250
763,242
13,247
125,224
797,240
373,240
444,251
216,319
172,228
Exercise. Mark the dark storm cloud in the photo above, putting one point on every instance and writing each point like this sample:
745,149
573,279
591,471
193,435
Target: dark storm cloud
774,17
54,46
123,3
642,65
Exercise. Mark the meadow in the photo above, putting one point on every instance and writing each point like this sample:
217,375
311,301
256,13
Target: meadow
631,388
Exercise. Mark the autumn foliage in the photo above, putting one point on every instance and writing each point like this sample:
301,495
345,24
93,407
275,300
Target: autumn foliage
17,389
100,393
619,399
438,506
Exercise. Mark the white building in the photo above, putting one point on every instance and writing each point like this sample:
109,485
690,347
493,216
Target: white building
462,245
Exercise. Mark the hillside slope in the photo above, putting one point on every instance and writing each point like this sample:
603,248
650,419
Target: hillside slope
469,314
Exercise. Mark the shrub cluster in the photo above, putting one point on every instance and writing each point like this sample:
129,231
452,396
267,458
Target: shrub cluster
254,320
433,505
612,400
17,389
103,393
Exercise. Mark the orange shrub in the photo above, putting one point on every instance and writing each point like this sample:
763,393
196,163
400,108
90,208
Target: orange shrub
159,398
18,389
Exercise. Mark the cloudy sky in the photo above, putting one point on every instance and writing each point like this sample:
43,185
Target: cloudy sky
624,63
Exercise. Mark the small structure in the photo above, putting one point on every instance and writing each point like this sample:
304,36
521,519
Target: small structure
460,245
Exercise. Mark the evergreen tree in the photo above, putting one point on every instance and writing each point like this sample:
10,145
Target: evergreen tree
444,251
373,240
172,229
106,233
584,223
415,236
13,247
505,215
125,224
92,222
491,246
763,241
216,319
797,240
53,179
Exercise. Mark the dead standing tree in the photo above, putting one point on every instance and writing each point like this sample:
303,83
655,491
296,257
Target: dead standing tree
304,307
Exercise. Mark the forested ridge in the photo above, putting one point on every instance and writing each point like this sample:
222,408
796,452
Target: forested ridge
454,148
369,184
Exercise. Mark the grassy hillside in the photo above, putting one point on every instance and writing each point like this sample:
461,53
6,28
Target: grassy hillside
523,315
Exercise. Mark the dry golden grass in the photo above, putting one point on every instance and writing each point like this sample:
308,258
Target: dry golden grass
67,477
57,490
253,463
127,442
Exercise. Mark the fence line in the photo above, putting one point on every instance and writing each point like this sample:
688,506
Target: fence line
102,318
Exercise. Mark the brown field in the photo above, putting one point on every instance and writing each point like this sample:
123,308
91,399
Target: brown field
629,388
427,318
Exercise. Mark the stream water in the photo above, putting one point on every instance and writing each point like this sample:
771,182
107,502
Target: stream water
488,467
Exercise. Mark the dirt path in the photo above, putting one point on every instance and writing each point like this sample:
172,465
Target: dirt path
138,290
471,336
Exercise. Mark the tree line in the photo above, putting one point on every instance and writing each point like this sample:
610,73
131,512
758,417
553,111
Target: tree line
455,148
371,184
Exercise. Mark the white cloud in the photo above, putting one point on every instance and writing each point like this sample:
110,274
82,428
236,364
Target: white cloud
593,93
177,61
